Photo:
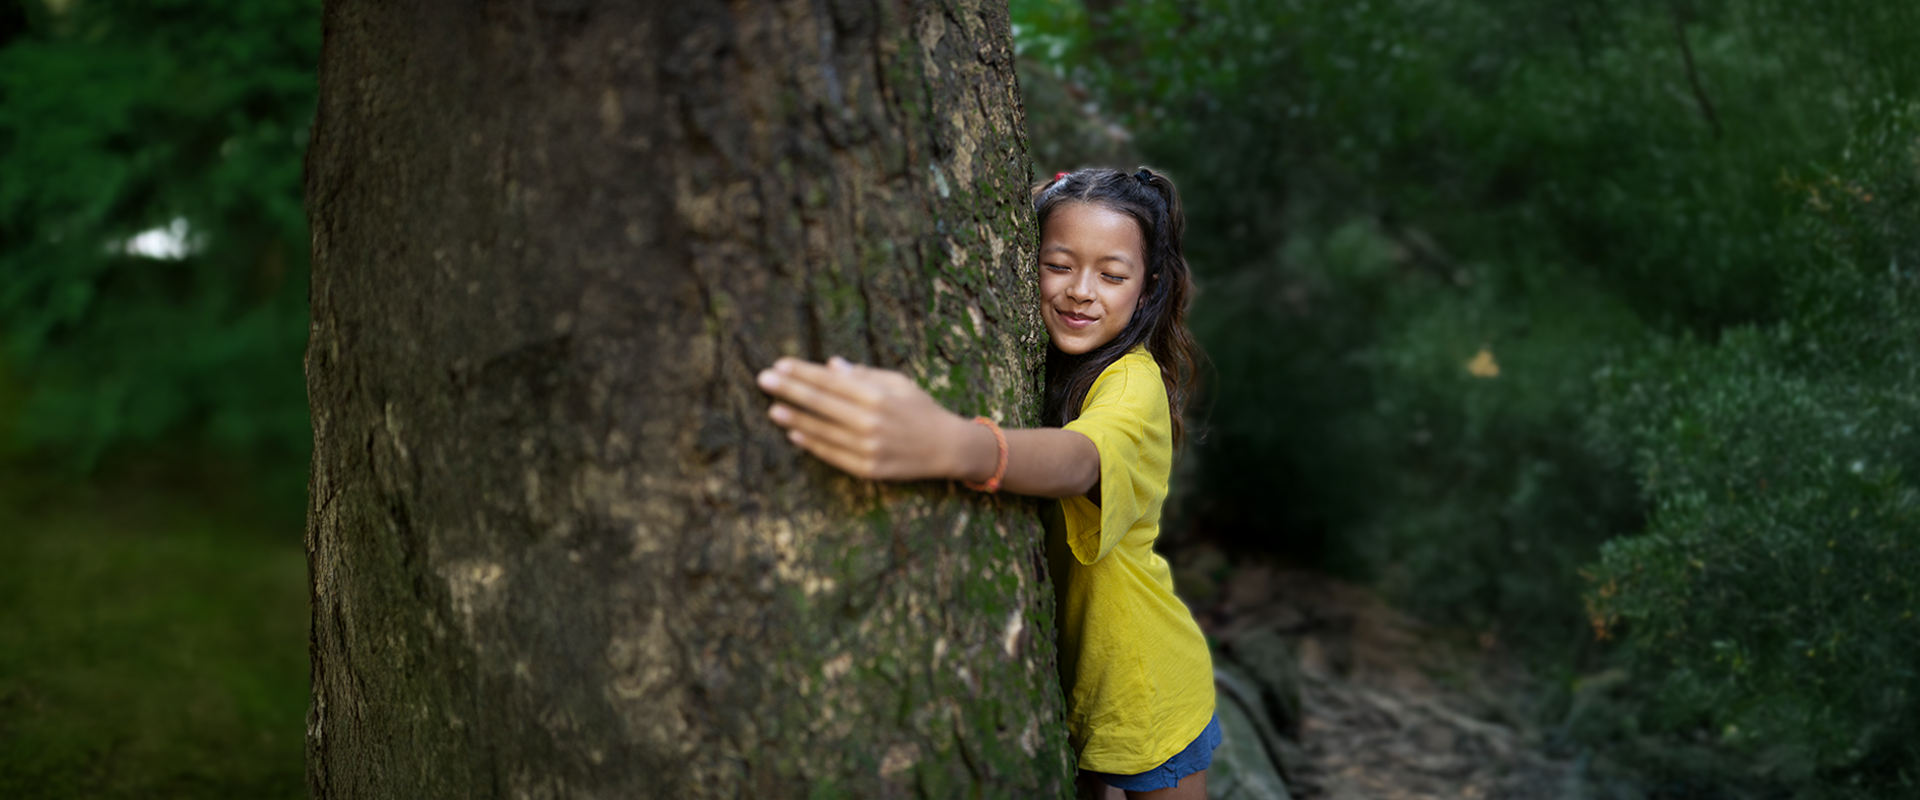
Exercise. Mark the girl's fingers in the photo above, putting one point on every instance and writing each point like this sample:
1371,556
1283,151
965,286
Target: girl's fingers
835,410
848,383
857,372
805,395
845,460
814,427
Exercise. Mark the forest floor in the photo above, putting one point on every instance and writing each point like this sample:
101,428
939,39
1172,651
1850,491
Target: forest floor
155,649
1380,706
154,638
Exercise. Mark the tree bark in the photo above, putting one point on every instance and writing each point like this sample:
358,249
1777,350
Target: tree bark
556,548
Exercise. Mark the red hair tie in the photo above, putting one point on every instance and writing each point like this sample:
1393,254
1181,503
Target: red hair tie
1058,175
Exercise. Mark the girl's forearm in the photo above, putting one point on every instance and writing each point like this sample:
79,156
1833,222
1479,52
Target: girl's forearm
1041,462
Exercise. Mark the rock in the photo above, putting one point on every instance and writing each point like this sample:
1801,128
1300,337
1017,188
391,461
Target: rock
1247,765
1269,659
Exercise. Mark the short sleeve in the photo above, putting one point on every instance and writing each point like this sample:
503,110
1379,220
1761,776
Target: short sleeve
1125,415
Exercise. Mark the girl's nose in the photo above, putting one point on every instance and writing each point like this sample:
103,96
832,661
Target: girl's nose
1082,286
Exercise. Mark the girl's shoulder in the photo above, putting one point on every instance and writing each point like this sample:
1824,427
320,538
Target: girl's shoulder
1140,358
1132,380
1136,363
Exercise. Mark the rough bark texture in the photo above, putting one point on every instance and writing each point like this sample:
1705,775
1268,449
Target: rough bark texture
556,548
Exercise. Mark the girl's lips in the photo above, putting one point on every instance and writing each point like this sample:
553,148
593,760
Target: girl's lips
1074,321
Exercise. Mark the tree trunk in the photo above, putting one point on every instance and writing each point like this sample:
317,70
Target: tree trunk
557,549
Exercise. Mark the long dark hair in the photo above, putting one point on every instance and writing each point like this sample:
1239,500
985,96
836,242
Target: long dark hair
1161,320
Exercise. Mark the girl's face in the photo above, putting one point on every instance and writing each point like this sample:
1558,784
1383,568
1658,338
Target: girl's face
1092,272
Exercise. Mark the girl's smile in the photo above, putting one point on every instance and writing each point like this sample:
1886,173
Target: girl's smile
1076,321
1091,275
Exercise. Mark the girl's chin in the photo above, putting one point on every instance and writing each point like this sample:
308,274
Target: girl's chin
1075,345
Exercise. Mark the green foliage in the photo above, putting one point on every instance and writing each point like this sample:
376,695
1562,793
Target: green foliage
1624,208
1387,189
121,117
1780,578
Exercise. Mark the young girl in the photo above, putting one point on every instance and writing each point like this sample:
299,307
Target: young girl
1113,294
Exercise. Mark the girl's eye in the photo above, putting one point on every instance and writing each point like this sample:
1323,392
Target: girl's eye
1115,278
1055,267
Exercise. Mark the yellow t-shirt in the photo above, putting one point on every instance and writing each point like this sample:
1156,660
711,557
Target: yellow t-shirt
1138,676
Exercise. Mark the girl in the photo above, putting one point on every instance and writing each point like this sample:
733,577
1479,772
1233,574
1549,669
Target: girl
1113,294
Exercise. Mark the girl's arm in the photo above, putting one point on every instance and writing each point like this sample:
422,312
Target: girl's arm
879,424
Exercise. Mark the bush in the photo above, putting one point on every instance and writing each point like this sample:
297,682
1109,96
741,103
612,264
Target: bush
1379,192
119,118
1681,232
1777,586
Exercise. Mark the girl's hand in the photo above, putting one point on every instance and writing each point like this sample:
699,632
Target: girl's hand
873,423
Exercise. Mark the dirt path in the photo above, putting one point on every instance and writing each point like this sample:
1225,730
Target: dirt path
1381,707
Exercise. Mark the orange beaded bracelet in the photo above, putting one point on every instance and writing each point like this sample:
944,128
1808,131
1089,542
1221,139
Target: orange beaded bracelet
992,484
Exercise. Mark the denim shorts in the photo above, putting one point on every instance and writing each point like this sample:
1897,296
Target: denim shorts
1196,757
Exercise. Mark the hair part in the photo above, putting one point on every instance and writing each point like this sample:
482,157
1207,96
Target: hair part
1160,322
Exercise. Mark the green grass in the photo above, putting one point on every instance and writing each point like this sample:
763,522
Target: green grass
152,642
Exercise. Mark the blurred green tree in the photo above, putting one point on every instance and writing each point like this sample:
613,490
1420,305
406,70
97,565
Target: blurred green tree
1777,585
1490,283
153,252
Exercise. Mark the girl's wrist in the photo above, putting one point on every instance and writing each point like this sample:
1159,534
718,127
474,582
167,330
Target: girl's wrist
978,453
